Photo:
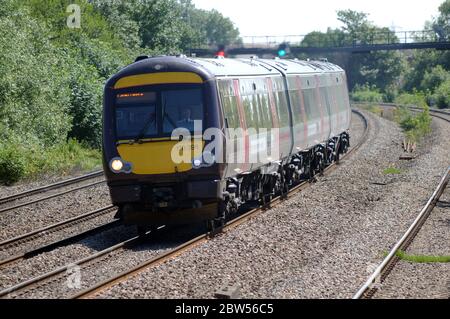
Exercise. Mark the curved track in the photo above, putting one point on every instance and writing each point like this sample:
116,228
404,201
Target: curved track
370,287
58,275
92,291
440,114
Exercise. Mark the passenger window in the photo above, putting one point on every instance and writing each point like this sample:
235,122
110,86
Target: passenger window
296,106
266,114
311,105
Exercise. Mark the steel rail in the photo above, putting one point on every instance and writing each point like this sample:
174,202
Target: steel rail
174,252
45,188
89,292
60,243
369,288
434,112
60,270
14,242
8,209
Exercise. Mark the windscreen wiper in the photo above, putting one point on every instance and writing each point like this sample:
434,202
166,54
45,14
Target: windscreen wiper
167,116
141,134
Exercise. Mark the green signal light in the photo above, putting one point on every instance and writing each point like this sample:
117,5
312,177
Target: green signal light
282,53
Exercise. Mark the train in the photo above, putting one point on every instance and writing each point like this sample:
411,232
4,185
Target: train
189,140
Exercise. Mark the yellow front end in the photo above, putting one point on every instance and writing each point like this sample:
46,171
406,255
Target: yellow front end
155,157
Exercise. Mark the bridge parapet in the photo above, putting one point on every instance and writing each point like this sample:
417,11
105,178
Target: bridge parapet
325,40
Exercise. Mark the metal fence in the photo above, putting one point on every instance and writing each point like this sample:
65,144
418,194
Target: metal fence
344,40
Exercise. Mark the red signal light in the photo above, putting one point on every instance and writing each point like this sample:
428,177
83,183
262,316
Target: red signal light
220,51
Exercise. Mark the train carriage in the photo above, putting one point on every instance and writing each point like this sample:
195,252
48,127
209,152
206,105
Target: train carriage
276,122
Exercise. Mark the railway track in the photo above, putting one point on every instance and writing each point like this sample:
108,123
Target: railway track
443,115
49,230
16,201
59,275
436,113
370,287
60,243
92,291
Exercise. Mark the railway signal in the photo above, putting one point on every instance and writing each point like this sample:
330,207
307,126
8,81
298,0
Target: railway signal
283,50
220,51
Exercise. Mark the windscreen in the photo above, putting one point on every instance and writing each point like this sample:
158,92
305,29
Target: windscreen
157,113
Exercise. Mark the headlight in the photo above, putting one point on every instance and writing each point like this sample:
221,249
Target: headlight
207,160
197,163
117,166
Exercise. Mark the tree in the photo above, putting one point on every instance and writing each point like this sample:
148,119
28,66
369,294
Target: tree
220,30
442,24
381,68
118,14
333,37
434,78
355,24
426,67
204,28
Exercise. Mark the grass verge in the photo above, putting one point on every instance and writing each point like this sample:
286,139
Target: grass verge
372,108
18,162
392,171
415,126
422,259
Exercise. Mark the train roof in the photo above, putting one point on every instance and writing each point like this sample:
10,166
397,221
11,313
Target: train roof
299,67
213,68
224,67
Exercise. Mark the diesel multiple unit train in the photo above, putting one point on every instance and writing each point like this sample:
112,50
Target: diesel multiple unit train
278,121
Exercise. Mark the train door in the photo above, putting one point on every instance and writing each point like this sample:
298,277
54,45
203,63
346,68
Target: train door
312,110
235,146
299,117
280,115
324,106
335,116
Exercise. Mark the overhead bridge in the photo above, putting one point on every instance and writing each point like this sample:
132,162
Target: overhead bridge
325,43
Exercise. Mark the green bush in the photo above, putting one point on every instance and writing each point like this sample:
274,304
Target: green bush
366,93
86,105
415,126
434,78
390,94
63,158
12,165
442,95
31,160
412,99
34,97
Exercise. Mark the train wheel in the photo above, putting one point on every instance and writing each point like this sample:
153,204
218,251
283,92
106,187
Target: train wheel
214,226
284,190
262,199
210,225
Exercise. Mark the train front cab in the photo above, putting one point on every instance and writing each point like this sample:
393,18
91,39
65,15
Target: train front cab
141,113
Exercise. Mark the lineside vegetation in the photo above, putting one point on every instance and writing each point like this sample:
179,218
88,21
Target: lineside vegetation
52,76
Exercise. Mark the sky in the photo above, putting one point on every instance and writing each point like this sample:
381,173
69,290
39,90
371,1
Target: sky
299,17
